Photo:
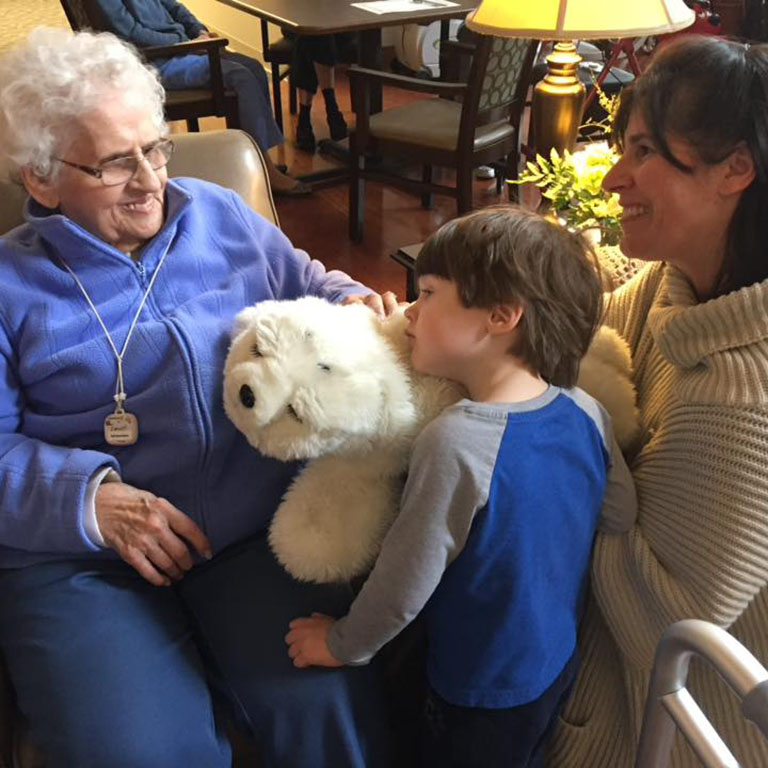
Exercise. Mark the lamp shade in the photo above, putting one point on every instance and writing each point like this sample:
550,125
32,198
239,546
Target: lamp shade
579,19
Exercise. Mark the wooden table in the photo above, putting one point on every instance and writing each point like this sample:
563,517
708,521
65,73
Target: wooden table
326,17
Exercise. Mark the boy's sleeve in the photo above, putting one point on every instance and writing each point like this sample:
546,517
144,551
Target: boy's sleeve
620,504
446,487
126,26
185,17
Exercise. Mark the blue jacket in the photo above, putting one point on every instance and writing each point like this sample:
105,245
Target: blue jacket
57,371
150,22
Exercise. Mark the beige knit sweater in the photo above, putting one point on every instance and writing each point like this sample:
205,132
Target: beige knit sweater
700,545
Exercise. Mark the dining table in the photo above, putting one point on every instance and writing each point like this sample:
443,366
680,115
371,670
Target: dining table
327,17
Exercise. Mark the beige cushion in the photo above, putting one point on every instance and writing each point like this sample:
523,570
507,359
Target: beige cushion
229,158
433,123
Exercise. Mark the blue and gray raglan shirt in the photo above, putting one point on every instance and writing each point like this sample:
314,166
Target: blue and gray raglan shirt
493,543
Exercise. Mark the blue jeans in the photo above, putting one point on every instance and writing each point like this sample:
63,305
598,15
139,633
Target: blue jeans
241,73
111,671
468,737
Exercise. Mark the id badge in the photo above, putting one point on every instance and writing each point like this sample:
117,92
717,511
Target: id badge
121,428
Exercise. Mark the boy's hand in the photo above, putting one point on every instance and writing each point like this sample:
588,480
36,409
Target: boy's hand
308,642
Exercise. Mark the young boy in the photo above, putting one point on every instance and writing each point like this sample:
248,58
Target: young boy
504,492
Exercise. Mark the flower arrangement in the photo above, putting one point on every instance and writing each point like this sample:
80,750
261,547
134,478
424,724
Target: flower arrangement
573,182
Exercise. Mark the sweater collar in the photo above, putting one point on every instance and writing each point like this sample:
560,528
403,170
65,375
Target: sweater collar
69,238
688,332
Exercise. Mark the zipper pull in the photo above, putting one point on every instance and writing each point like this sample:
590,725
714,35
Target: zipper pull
142,271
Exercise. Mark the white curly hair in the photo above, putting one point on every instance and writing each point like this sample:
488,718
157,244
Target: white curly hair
55,77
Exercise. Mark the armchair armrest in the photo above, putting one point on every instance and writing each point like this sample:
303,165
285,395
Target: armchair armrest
213,47
181,49
361,79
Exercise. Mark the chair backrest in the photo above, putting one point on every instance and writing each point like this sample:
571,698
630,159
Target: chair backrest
84,14
228,158
509,58
498,81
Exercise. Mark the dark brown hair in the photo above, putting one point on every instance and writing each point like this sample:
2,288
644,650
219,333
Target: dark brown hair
714,95
504,255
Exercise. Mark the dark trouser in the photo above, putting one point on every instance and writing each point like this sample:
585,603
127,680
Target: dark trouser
323,49
246,76
111,671
466,737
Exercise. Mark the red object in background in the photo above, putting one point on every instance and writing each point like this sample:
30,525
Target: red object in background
707,23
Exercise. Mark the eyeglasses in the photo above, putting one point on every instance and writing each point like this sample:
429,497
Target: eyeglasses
123,169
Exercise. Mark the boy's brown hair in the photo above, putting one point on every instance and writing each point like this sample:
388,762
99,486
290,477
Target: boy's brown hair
505,255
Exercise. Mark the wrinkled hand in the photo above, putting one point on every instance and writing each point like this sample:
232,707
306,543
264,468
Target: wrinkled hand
148,532
382,304
308,642
205,36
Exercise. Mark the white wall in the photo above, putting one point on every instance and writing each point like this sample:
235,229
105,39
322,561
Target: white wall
242,29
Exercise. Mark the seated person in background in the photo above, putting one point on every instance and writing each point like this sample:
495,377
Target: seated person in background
165,22
136,583
504,492
314,62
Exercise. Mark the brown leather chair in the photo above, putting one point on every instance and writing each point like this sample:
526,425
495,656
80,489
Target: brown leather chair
469,124
231,159
187,104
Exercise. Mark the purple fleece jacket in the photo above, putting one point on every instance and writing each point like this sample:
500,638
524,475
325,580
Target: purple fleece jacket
57,371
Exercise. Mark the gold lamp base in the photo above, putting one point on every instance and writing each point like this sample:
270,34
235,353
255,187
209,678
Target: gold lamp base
558,101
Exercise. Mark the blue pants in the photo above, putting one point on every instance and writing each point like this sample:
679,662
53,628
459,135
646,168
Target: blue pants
468,737
111,671
242,73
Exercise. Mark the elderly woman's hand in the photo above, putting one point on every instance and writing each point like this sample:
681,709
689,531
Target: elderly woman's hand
382,304
148,532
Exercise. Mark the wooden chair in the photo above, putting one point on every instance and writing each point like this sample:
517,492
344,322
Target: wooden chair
279,53
187,104
475,123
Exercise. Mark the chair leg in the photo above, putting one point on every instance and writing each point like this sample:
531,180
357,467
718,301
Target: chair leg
293,100
277,96
232,117
501,175
513,174
427,198
356,197
193,125
464,176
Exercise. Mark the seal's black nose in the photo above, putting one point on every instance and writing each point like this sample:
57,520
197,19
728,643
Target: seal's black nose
247,398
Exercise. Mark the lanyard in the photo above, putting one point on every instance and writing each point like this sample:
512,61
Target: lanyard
121,428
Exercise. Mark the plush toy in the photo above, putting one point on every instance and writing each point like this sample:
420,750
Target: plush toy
331,384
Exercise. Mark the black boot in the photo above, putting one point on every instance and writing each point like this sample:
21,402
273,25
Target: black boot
336,123
305,138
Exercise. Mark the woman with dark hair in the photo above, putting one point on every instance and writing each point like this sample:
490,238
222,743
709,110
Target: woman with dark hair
693,182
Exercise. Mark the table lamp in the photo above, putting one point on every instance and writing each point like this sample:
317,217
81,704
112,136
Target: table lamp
558,99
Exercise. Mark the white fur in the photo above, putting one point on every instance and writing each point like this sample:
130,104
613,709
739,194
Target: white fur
606,373
332,384
343,373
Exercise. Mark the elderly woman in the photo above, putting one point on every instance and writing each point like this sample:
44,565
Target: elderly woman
136,586
693,181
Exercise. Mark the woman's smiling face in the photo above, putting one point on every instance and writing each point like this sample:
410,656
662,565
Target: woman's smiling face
669,214
129,214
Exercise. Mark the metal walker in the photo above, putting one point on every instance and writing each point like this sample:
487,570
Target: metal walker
670,705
